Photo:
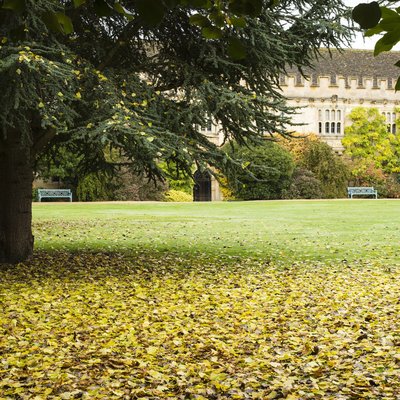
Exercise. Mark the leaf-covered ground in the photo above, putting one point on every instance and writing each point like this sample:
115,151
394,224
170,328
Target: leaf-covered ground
101,326
228,301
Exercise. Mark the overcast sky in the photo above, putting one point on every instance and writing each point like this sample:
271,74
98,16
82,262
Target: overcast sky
360,42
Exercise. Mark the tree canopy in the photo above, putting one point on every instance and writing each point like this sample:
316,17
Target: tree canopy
370,140
101,73
115,80
265,174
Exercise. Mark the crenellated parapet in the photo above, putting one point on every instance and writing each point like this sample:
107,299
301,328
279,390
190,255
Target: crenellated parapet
347,74
295,81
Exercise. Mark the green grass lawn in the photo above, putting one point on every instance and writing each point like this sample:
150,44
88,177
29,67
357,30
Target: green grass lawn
260,300
282,231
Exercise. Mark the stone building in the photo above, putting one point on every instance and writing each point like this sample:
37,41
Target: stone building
340,82
326,94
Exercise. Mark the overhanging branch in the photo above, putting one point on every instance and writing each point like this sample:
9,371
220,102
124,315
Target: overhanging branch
42,140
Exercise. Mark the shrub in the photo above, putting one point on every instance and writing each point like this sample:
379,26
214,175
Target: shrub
134,187
319,158
367,174
390,188
304,185
266,171
178,196
227,193
176,179
93,188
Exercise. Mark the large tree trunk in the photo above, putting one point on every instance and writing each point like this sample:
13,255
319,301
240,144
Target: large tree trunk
16,176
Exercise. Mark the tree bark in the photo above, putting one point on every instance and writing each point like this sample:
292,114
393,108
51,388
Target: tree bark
16,177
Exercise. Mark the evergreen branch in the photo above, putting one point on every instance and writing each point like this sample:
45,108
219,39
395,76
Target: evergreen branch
41,141
121,42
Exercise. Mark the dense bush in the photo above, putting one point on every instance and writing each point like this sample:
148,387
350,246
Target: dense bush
313,155
178,196
265,173
93,187
176,179
364,174
390,188
304,185
329,168
134,187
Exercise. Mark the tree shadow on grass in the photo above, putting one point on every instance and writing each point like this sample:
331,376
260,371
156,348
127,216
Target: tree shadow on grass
92,266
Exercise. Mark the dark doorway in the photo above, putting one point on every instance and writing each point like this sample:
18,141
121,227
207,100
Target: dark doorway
202,187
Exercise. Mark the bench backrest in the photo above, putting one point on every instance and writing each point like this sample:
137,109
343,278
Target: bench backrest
54,192
361,190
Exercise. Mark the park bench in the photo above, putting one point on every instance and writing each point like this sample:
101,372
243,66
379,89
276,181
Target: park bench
361,191
54,194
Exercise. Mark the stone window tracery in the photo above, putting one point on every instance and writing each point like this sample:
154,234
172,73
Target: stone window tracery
390,121
331,124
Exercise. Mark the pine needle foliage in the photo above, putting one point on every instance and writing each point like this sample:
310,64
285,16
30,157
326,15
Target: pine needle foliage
145,89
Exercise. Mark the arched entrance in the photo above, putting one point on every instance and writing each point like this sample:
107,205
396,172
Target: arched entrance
202,186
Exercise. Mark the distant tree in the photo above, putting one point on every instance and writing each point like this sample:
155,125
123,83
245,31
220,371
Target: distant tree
58,163
265,172
297,144
320,172
140,76
326,166
369,141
